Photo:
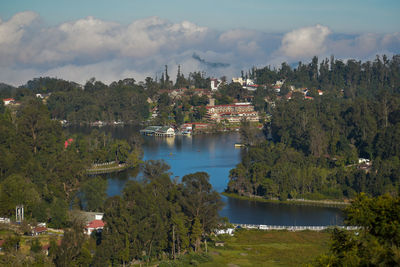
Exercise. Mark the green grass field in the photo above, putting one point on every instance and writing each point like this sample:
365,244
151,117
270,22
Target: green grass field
269,248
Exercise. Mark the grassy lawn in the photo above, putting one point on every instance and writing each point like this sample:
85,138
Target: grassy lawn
269,248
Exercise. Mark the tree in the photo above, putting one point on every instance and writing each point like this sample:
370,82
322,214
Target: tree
196,234
249,134
378,240
36,246
58,213
37,130
200,201
120,149
71,245
17,190
94,193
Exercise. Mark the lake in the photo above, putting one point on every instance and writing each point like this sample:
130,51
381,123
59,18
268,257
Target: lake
216,155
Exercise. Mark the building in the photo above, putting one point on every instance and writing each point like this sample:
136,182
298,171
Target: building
215,83
86,216
228,231
150,130
4,220
232,108
232,113
195,125
95,225
238,80
8,101
165,131
39,230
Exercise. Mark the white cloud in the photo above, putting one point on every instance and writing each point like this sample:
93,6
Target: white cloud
305,42
11,31
90,47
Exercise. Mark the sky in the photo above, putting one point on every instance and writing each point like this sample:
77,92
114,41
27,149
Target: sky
111,40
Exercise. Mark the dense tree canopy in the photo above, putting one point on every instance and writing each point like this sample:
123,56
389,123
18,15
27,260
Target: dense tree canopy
376,243
316,143
158,216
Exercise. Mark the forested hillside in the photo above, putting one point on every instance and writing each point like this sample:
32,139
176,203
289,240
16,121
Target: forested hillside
317,142
43,168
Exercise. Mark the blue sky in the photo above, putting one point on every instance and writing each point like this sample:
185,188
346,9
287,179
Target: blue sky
351,16
111,40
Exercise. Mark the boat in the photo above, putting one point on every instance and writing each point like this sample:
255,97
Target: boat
239,145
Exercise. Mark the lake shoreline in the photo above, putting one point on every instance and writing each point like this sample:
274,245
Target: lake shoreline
306,202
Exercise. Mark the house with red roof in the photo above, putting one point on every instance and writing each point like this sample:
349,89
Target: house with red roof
95,225
8,101
39,230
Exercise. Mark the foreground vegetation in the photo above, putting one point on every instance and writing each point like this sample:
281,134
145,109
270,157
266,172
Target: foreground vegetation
269,248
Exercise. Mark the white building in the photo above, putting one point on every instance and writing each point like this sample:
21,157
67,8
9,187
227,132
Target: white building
8,101
238,80
228,231
215,83
95,225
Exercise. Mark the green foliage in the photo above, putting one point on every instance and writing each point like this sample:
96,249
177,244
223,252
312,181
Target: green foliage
94,193
190,259
318,142
377,241
16,190
12,243
198,80
120,101
58,214
36,246
196,232
157,216
70,252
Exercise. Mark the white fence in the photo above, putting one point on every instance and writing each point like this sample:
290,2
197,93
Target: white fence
4,220
291,228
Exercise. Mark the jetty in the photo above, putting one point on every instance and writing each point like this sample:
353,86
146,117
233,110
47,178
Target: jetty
107,167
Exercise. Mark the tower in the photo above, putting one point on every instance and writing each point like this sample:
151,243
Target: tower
19,213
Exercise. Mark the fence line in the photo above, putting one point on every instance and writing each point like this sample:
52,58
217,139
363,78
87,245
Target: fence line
291,227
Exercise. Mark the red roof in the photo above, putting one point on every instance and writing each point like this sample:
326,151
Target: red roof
8,99
95,224
40,229
217,106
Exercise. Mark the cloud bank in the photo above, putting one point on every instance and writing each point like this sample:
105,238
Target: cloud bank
90,47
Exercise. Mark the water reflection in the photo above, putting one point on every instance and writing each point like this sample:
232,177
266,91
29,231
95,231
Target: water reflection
251,212
216,155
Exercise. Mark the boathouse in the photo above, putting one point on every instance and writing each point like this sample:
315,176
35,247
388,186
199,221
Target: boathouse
165,131
150,130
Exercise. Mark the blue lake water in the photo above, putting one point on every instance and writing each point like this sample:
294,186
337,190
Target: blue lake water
216,155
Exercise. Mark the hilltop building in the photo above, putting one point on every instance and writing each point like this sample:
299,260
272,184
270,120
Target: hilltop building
232,113
215,83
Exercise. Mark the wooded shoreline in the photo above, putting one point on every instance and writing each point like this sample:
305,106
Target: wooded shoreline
304,202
